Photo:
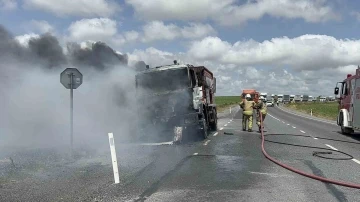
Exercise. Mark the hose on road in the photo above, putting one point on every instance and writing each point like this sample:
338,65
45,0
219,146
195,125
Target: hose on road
315,177
315,153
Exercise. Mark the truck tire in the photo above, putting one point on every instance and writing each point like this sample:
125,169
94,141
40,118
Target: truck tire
203,133
344,130
213,125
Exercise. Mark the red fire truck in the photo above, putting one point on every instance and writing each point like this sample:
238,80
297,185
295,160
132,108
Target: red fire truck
349,103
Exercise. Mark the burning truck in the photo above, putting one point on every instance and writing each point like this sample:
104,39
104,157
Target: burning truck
175,98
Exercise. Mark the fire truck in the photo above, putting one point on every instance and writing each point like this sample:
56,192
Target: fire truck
254,94
349,103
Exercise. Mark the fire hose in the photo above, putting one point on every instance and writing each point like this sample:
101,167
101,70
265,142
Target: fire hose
315,177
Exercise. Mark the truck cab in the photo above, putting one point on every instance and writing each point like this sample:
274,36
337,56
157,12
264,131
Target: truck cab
348,91
175,96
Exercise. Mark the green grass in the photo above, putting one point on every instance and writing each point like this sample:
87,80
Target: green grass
327,110
223,102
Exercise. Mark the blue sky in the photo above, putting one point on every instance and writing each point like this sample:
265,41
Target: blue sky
255,43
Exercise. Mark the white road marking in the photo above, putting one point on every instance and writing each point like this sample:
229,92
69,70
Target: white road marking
315,138
302,131
288,124
231,120
307,117
356,161
294,127
228,122
206,142
155,144
195,154
113,158
215,134
221,128
270,174
333,148
283,122
225,125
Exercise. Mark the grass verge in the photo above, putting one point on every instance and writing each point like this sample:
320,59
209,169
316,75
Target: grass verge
324,110
224,102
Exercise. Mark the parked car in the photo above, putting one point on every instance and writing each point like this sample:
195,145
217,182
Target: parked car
269,103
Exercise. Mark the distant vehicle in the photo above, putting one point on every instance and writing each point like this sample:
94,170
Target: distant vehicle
280,98
175,96
349,103
305,98
310,98
292,97
297,98
322,99
269,103
286,99
264,95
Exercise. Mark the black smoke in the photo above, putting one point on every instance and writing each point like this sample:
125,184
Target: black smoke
47,51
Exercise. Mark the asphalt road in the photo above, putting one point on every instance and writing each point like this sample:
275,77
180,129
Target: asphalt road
228,166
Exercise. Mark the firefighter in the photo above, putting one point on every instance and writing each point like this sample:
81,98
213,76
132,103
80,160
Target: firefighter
248,107
260,107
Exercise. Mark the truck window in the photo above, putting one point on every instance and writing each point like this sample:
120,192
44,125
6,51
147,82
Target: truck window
343,90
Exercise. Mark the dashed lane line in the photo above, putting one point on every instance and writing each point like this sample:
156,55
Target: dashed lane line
195,154
315,138
206,142
225,125
356,161
333,148
302,131
221,128
216,134
288,124
294,127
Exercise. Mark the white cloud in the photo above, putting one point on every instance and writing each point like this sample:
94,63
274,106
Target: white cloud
232,78
303,52
8,5
228,12
24,39
42,26
157,30
95,29
132,35
83,8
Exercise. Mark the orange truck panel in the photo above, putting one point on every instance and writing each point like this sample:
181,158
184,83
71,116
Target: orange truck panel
254,94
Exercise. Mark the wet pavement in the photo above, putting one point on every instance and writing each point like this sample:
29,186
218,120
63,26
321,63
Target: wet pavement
228,166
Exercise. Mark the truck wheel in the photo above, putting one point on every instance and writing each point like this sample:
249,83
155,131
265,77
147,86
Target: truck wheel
213,125
344,130
204,130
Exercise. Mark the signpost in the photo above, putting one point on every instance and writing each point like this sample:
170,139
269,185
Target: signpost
71,79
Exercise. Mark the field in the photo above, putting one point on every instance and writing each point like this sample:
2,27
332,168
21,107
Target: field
327,110
224,102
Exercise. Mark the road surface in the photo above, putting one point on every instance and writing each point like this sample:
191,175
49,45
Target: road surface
228,166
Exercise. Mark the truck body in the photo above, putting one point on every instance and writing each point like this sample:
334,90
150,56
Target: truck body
286,99
305,98
280,98
310,98
175,96
265,96
254,94
297,98
349,103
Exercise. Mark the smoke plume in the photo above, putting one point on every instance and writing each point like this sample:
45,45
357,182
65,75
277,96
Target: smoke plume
35,107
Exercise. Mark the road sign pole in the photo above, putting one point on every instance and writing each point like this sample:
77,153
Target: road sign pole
71,111
67,78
